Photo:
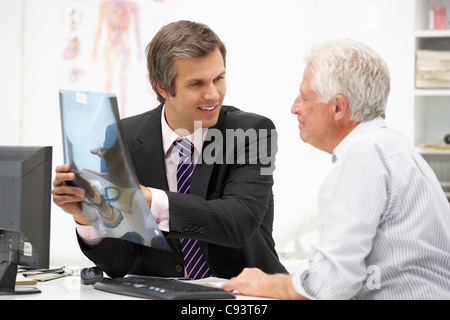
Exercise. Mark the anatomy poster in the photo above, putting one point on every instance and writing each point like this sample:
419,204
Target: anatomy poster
103,49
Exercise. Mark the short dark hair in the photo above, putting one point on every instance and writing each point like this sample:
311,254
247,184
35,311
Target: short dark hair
182,39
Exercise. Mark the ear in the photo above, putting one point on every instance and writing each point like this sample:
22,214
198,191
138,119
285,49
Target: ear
341,108
163,92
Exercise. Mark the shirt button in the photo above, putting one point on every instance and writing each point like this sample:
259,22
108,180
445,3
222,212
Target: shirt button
178,268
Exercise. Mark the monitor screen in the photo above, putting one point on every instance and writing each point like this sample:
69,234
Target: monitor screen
25,202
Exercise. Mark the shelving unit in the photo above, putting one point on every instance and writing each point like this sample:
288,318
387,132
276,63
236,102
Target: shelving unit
432,106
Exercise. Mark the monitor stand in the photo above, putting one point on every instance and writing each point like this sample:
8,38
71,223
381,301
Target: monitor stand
8,275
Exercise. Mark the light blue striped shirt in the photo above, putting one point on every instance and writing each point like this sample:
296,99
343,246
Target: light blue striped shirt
385,223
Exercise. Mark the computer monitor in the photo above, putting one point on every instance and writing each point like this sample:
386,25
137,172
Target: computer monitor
25,195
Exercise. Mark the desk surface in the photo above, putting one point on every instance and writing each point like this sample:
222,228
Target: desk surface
70,288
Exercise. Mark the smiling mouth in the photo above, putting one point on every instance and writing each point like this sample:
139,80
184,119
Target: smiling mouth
207,108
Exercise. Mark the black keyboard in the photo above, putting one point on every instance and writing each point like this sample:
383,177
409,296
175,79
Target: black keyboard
161,289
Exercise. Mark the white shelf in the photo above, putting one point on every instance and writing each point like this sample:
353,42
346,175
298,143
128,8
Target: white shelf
431,151
432,92
433,34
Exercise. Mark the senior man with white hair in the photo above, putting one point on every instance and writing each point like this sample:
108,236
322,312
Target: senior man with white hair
385,218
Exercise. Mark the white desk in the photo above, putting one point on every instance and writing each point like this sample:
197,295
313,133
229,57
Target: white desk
70,288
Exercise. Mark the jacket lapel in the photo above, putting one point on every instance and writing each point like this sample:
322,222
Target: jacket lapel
202,172
149,156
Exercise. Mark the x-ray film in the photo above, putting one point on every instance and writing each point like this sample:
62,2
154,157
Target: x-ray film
94,147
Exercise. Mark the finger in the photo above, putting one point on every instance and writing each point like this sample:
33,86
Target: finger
231,285
62,168
228,286
62,174
63,200
61,178
67,190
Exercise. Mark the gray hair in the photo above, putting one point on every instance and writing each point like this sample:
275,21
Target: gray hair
182,39
350,68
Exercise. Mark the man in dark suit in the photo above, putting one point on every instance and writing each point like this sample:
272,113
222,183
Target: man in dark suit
226,212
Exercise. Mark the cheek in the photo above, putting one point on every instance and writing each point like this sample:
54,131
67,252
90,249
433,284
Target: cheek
306,110
189,101
222,90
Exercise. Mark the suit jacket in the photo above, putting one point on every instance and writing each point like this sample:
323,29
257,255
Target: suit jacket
229,209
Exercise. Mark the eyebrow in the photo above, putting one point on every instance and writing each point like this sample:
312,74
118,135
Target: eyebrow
195,80
222,74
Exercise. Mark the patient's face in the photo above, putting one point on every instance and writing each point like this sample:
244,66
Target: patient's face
314,117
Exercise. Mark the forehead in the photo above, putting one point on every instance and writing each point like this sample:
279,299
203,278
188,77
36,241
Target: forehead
307,76
205,67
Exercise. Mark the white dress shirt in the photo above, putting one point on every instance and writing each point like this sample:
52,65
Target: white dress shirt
385,223
160,201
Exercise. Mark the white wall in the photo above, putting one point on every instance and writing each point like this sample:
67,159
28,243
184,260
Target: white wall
266,41
11,32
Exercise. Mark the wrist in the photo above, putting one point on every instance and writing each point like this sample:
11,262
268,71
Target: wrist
286,289
81,220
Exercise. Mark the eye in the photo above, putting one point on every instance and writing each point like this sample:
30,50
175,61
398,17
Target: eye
196,84
302,97
219,78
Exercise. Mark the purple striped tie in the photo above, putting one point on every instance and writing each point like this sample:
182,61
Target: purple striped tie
195,264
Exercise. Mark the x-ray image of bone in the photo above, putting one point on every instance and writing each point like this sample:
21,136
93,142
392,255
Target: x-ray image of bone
96,151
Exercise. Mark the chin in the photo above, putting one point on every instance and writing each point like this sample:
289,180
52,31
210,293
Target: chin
209,122
303,138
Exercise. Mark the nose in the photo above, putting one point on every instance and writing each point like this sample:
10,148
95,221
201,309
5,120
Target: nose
211,93
295,109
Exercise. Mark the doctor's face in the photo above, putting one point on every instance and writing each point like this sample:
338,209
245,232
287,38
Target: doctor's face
200,89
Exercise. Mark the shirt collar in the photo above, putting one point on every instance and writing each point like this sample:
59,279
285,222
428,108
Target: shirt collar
360,129
169,136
